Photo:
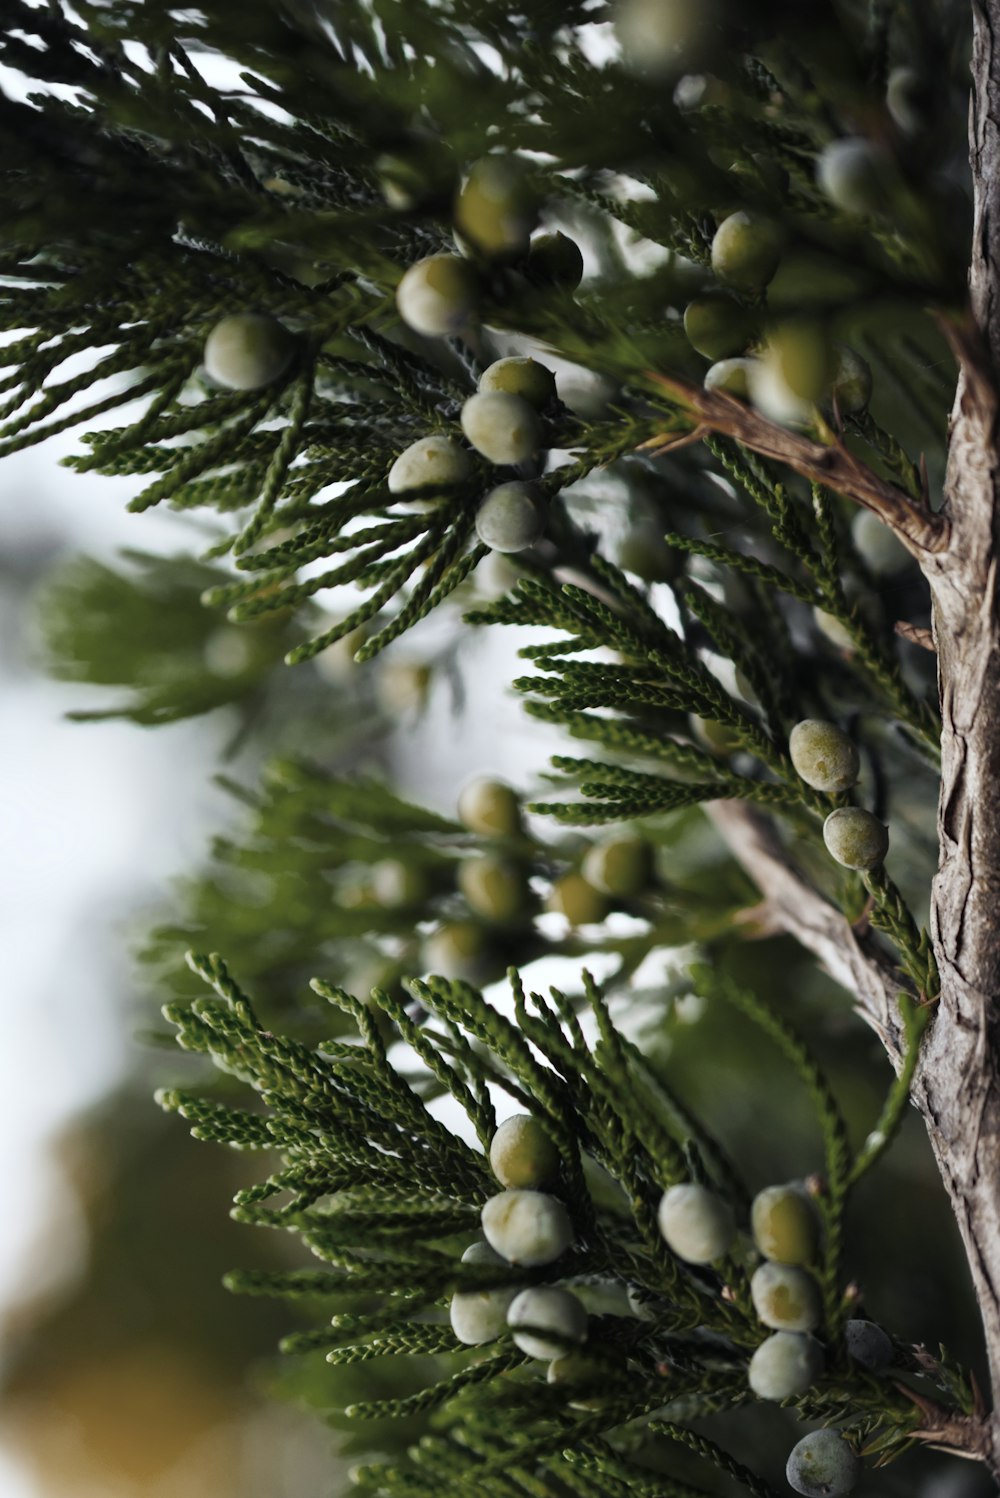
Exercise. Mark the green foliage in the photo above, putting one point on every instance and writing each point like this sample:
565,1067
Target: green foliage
655,681
291,887
142,629
269,195
355,1132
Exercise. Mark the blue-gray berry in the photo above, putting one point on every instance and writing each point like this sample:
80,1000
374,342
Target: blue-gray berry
822,1465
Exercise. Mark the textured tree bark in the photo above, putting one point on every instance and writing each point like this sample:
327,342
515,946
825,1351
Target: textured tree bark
957,1087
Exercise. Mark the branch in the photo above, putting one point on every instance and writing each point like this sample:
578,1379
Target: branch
955,1087
794,906
916,634
921,530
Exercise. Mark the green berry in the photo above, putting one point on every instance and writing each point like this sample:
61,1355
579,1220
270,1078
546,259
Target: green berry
516,376
587,394
527,1227
247,351
853,173
522,1154
577,1370
438,296
496,208
878,546
786,1298
619,866
458,950
717,326
555,260
868,1345
397,885
504,428
833,629
696,1223
730,375
822,1465
784,1365
490,808
576,898
511,517
908,99
824,756
785,1225
860,599
546,1321
851,383
665,36
802,357
746,251
479,1316
494,888
774,397
644,551
403,686
855,838
430,462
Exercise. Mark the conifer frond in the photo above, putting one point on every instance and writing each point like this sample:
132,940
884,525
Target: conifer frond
139,627
345,1117
269,196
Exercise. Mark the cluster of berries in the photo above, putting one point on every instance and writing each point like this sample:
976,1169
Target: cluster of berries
495,883
503,423
523,1227
439,297
828,760
787,370
698,1225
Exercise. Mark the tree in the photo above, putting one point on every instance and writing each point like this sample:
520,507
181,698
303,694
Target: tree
303,267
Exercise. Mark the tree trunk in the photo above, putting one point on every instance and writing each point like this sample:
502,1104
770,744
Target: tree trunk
957,1086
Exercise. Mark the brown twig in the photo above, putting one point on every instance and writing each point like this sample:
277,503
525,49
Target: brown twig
916,635
919,528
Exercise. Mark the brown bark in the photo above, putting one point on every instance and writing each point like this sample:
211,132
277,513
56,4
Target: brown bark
957,1087
832,463
791,904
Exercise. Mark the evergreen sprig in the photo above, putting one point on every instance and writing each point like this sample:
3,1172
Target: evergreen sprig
380,1188
649,696
270,195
